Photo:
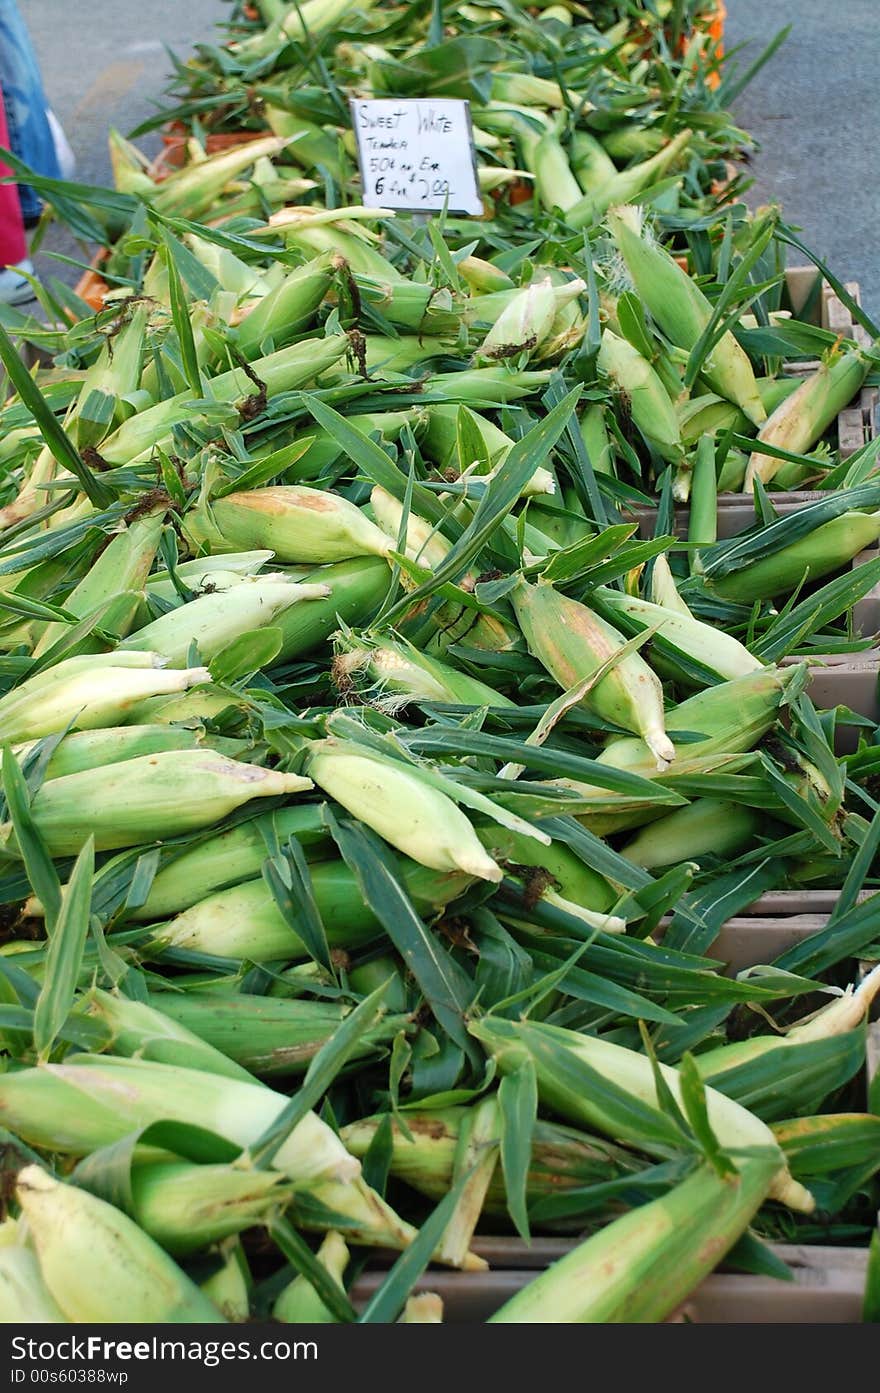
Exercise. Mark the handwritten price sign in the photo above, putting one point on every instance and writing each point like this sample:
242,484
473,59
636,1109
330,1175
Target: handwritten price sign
417,156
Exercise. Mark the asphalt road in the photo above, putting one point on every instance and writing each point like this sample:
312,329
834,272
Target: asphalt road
815,112
813,107
105,63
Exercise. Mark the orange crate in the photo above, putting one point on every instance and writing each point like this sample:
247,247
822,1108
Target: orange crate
173,154
91,286
711,24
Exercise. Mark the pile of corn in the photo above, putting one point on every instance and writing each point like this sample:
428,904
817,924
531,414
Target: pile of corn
329,510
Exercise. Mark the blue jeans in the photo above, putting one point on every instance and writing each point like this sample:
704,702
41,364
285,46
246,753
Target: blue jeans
25,102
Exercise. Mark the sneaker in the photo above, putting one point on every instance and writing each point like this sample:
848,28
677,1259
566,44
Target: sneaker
14,289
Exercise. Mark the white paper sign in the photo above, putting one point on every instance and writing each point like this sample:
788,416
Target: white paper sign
417,154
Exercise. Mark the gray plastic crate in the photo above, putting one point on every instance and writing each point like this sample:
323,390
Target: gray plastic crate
846,679
827,1289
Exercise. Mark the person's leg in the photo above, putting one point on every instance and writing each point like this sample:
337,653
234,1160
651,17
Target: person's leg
14,289
28,125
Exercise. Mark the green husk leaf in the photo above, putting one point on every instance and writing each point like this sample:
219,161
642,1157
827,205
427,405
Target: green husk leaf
50,427
38,863
387,1303
64,958
301,1257
518,1104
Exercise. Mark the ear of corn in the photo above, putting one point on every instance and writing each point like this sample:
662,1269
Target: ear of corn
528,318
233,274
708,826
123,565
411,814
128,165
93,749
628,183
166,491
310,145
715,650
31,496
389,672
113,376
98,1099
189,192
269,1036
828,548
198,574
664,591
682,311
317,458
424,1158
212,621
708,415
289,308
440,439
244,921
555,182
283,371
90,693
592,165
524,89
560,527
186,1207
152,796
356,588
229,1287
309,236
202,704
482,276
557,1054
630,140
422,542
300,23
575,880
806,413
142,1031
228,858
841,1015
299,1303
209,583
98,1264
645,397
573,643
24,1296
297,523
563,1158
731,717
486,385
386,357
594,433
642,1266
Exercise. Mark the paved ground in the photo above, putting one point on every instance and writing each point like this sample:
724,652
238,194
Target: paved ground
105,63
814,107
815,111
